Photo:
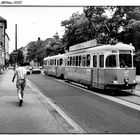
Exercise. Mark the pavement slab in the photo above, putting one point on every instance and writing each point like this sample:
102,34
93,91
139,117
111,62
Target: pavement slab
35,116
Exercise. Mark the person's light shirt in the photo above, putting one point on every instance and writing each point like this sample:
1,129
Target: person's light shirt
20,72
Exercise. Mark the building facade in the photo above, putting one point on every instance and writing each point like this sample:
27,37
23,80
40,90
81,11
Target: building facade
7,41
3,26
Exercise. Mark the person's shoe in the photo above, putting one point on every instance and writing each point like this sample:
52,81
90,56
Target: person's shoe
20,102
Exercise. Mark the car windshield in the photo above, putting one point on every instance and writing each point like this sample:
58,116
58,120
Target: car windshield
125,60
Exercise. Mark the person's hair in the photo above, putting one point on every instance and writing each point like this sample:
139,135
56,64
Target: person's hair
20,64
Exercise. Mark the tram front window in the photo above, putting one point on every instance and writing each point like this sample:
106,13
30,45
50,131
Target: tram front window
125,60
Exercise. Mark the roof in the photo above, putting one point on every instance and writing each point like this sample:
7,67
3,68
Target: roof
4,21
7,36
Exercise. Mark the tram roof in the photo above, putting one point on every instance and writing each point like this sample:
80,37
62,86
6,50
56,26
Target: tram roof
102,48
54,56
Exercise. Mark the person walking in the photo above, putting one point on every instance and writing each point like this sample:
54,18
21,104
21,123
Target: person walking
20,73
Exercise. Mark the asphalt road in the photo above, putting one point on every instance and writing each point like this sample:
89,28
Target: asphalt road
93,113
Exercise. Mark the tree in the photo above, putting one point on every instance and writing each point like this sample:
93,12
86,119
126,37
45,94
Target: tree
36,51
121,23
16,57
11,59
75,29
83,27
20,57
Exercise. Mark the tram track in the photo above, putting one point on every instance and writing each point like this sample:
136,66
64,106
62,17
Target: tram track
133,98
94,113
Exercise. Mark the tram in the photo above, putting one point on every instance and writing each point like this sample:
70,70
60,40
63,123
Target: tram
99,66
55,65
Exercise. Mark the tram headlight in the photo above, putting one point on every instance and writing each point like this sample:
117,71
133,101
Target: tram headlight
115,82
134,81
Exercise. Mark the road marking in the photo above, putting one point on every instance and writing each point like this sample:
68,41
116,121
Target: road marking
34,88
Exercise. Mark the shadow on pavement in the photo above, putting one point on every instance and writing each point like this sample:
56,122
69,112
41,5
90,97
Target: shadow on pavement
112,92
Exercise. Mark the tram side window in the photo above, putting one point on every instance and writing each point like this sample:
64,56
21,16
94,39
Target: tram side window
111,61
57,62
83,61
51,62
134,60
74,61
94,60
79,64
101,65
61,61
70,61
88,60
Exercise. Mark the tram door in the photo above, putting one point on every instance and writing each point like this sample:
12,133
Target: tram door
101,72
95,75
98,71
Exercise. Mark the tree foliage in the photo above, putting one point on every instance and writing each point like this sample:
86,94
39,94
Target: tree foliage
16,57
75,30
104,23
37,50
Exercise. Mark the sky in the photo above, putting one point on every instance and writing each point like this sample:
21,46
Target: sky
42,18
34,22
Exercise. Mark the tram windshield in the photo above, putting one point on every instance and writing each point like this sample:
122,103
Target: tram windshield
125,60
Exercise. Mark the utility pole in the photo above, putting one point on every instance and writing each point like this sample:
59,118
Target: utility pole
4,50
16,37
15,54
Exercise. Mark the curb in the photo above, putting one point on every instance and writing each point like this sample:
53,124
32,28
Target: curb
74,125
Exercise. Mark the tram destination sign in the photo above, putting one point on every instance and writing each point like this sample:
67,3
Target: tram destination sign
88,44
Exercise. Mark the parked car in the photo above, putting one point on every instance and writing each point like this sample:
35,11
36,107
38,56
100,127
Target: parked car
36,70
28,70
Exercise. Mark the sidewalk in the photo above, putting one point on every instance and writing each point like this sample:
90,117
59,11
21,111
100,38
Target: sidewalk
36,116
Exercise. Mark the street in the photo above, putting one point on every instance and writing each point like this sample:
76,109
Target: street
90,111
53,106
